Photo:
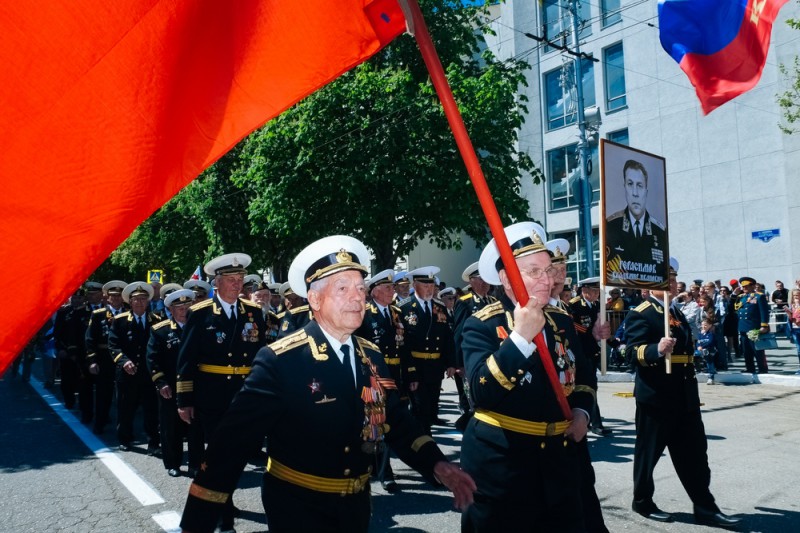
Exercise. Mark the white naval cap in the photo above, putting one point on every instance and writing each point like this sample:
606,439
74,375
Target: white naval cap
470,272
381,278
525,238
446,291
197,284
325,257
179,297
400,277
559,250
673,264
234,263
93,286
137,288
169,288
252,279
285,289
114,287
425,274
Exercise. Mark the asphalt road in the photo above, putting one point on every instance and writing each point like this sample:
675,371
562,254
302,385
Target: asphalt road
56,476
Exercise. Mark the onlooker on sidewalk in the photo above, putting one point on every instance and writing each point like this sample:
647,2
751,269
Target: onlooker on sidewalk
780,297
707,347
793,312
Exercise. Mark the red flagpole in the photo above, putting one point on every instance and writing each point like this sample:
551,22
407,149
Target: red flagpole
419,29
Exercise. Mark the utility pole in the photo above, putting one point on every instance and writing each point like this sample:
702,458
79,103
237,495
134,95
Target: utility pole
585,210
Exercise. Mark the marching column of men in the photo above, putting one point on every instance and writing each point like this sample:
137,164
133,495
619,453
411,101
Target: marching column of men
199,364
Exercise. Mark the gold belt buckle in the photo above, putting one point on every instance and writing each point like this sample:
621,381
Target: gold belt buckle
358,484
550,429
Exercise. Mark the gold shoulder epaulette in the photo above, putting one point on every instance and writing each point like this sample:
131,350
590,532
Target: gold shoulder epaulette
280,315
575,300
371,308
200,305
364,343
395,308
554,309
297,338
466,297
248,303
489,311
126,314
161,324
301,309
642,306
101,311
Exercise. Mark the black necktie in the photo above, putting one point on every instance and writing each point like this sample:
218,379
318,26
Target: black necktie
636,229
386,315
140,322
425,306
348,367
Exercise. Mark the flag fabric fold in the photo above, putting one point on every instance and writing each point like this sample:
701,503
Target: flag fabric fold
110,108
721,45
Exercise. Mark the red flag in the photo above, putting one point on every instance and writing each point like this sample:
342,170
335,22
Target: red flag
110,108
197,273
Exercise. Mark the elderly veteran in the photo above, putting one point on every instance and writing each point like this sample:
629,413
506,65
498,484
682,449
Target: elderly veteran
127,342
518,446
162,362
297,313
219,343
325,401
201,289
668,409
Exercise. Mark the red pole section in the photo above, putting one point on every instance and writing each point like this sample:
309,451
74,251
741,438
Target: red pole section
442,86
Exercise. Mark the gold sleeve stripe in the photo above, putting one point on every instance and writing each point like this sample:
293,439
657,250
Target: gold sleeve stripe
420,442
412,369
498,375
158,375
207,495
185,386
640,353
117,358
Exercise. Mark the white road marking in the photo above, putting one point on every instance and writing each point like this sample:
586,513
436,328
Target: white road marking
130,479
170,521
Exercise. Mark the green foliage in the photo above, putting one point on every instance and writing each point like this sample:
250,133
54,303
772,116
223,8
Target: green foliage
370,155
790,99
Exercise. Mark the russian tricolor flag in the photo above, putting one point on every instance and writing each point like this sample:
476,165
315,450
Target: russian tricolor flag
720,44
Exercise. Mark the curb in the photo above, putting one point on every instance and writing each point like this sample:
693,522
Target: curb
726,378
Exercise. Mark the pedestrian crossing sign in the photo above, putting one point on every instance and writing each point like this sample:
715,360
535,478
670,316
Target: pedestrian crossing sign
155,276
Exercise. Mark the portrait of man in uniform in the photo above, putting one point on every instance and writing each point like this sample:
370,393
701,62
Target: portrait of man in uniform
635,214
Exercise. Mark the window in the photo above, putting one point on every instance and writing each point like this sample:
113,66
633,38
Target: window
557,22
563,173
619,136
614,67
576,262
561,96
611,12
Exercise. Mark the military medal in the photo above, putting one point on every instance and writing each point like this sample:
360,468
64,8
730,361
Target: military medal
412,318
220,337
315,386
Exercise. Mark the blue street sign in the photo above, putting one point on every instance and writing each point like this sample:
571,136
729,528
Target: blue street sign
766,235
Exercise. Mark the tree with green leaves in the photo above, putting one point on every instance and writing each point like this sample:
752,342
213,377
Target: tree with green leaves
790,99
371,154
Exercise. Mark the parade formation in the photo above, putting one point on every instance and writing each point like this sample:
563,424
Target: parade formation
224,374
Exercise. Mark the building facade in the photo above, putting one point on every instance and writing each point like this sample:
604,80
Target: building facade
732,181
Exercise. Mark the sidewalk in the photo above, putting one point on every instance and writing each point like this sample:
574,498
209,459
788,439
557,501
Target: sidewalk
783,363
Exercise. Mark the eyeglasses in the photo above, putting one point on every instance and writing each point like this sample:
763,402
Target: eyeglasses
536,273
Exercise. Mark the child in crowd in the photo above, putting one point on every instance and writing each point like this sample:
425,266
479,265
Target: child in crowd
707,348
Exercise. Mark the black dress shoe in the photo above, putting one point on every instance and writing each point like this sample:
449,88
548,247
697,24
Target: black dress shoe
601,431
390,486
125,447
174,472
440,421
153,451
650,510
715,518
192,472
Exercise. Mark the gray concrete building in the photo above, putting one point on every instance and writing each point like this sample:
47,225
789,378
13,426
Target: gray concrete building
731,175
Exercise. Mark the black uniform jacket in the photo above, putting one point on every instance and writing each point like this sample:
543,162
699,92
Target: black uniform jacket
641,260
502,380
211,338
162,353
128,342
424,336
69,331
585,315
383,334
294,319
466,306
299,397
644,328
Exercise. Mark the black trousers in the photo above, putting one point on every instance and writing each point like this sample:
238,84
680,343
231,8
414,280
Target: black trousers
70,380
173,430
293,509
132,392
753,356
426,401
684,435
592,512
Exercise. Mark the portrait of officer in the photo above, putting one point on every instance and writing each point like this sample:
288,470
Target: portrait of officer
325,400
519,446
635,240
